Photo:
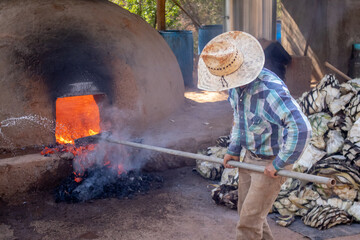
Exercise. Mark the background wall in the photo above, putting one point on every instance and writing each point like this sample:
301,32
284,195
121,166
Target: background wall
329,27
256,17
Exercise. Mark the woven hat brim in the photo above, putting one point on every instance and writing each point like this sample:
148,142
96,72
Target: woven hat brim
254,59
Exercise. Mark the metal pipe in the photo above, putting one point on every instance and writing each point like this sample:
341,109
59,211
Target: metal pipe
285,173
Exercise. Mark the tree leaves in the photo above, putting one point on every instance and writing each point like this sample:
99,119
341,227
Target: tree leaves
147,10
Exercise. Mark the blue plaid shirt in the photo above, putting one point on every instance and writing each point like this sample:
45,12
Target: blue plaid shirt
268,121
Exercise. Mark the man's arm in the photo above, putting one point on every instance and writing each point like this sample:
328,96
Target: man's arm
283,110
234,148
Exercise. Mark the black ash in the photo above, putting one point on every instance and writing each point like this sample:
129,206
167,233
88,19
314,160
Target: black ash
104,182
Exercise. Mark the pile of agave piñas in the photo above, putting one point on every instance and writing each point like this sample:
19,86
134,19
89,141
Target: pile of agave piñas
333,110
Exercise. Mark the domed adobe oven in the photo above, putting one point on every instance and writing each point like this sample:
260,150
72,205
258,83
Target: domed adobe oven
71,68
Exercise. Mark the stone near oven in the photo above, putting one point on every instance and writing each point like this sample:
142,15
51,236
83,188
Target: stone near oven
19,175
59,48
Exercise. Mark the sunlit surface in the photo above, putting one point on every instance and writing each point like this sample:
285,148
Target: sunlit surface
205,96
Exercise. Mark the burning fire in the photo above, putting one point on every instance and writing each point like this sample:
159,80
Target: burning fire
76,117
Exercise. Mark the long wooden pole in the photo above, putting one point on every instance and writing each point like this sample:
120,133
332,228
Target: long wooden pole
328,65
160,15
285,173
196,23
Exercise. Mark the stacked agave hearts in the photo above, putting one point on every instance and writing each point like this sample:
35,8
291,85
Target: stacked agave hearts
333,110
334,151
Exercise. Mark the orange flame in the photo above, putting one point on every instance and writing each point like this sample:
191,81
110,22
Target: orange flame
76,117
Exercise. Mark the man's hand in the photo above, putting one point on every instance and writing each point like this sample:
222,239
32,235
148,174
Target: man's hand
229,157
270,171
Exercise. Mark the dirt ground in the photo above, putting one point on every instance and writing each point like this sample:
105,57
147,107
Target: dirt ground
181,209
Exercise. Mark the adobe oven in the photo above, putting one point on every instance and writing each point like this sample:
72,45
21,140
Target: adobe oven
85,62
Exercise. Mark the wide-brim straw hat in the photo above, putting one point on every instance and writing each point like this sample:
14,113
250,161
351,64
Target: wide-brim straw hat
230,60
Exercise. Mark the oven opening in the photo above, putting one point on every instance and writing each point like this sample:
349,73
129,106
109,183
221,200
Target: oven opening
77,117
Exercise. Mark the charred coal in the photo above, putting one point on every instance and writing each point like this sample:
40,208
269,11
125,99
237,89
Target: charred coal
106,183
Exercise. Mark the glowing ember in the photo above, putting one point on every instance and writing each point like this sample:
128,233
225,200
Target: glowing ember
76,117
47,151
120,169
77,179
68,148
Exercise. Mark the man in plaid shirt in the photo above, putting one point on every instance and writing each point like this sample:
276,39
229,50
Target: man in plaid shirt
268,123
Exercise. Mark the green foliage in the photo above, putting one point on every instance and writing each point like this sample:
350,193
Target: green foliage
147,10
204,11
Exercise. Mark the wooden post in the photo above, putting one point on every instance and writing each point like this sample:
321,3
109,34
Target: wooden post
160,13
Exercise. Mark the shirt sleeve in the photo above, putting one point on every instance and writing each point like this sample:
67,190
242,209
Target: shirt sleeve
234,147
282,109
